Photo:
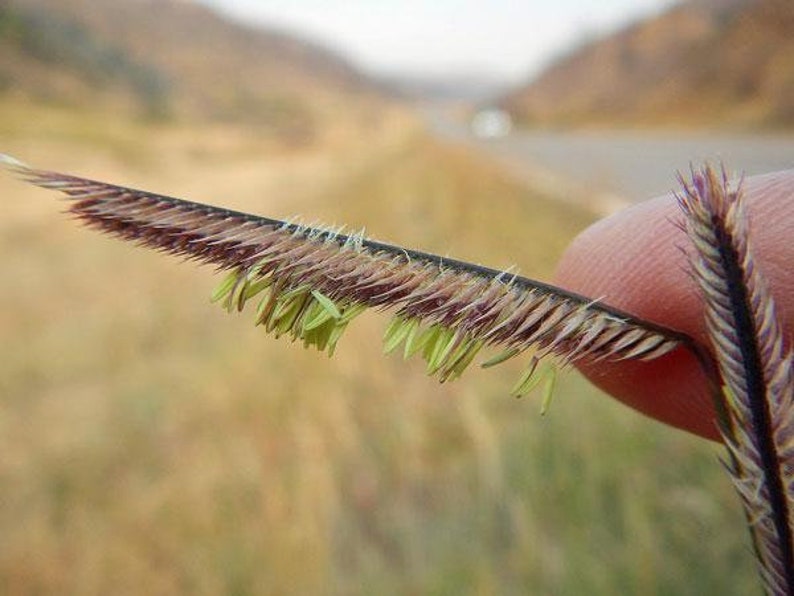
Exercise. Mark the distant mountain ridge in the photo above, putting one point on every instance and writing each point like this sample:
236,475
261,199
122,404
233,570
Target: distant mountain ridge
713,63
169,57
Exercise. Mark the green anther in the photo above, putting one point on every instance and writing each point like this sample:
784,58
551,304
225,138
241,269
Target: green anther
442,346
287,312
393,328
223,289
527,381
327,304
265,308
548,389
237,297
412,345
500,357
428,341
256,286
334,336
461,359
319,336
396,332
315,316
351,311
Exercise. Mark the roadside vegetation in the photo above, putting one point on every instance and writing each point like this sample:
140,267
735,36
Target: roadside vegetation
154,444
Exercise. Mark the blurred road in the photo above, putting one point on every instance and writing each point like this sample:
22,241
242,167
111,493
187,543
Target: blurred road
613,168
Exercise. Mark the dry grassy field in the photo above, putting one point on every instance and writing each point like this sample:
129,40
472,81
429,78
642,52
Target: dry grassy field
152,444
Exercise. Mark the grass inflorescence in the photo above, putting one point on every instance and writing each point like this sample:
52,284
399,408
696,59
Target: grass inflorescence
312,281
755,365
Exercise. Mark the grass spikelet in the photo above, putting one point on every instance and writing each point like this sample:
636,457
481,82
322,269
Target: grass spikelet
312,281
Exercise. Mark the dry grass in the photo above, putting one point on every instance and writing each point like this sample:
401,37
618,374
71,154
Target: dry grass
152,444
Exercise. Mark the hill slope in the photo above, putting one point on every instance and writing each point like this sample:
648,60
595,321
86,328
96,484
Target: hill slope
704,63
169,57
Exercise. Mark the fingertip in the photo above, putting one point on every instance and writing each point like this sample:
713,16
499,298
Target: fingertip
634,261
671,389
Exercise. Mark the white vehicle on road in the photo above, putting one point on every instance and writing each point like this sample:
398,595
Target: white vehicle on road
491,123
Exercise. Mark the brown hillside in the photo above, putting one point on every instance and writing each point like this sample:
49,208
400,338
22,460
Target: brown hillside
171,58
726,63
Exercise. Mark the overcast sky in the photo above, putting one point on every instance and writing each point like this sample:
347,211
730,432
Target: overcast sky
507,38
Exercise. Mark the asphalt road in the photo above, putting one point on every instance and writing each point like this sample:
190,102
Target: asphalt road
609,169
